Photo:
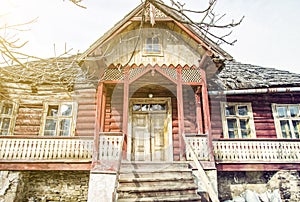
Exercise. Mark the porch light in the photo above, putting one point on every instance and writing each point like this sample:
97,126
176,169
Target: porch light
150,95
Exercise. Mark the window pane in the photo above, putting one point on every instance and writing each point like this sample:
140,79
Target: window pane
296,125
5,124
230,110
49,133
245,133
50,124
282,111
7,109
232,128
52,110
244,123
285,129
243,110
231,123
65,126
155,40
66,110
294,110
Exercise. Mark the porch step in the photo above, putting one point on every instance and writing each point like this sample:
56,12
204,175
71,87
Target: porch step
156,182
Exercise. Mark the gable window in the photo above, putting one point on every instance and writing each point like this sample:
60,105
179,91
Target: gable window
7,117
153,46
287,120
237,120
59,119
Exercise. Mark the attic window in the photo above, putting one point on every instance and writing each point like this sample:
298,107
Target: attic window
153,46
7,117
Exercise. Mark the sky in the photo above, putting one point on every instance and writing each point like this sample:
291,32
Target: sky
268,36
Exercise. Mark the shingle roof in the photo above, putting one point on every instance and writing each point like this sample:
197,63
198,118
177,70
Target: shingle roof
236,75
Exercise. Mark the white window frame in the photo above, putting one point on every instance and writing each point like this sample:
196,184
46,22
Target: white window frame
58,118
238,117
11,116
290,120
147,52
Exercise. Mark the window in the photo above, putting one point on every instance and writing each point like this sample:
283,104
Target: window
287,120
58,119
7,117
237,120
152,46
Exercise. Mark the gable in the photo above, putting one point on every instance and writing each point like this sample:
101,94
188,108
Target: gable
125,43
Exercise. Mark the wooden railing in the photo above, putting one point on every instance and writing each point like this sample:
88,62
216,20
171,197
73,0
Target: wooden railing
110,146
46,148
199,144
257,150
200,173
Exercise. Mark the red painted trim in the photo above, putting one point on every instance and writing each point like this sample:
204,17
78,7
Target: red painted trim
45,166
258,167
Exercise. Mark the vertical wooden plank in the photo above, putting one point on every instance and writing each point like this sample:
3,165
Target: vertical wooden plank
180,112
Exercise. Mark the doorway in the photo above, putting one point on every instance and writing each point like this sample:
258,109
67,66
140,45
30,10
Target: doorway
150,130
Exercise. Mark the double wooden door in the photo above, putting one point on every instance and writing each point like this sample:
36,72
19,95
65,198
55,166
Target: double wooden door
150,131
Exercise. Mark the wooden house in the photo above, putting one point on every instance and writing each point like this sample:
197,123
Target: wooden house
152,110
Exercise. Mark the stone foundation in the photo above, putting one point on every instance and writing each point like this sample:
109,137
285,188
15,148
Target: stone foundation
71,186
233,184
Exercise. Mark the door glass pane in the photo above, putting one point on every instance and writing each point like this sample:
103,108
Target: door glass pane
282,111
52,110
229,110
285,128
145,107
242,110
294,111
157,107
65,126
296,125
136,107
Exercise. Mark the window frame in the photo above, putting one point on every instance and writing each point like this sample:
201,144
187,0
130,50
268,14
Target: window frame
147,52
11,116
290,120
59,118
249,116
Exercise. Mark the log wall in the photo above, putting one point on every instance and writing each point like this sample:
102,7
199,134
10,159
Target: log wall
261,107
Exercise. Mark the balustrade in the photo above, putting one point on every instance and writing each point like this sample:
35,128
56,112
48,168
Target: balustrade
257,151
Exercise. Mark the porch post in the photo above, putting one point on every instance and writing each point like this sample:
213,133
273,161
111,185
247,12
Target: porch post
199,116
125,105
180,112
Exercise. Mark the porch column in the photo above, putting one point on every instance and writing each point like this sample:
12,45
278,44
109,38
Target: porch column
125,107
180,112
199,115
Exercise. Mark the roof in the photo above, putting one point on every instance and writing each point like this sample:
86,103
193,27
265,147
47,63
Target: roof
236,75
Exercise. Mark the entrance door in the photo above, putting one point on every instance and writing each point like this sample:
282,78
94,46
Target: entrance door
150,130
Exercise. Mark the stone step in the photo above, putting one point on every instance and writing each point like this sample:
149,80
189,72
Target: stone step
158,188
141,182
163,199
159,179
163,174
153,166
163,193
